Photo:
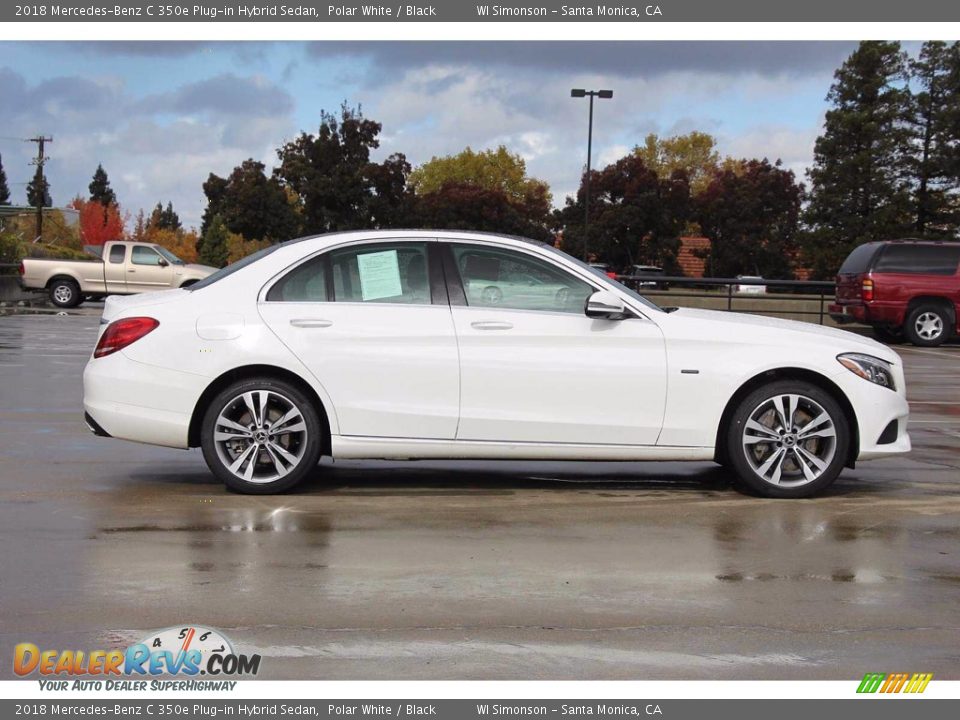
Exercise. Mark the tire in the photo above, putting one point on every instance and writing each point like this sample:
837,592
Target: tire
928,325
888,335
235,435
754,457
65,293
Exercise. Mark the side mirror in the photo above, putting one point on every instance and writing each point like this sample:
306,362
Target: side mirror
162,263
605,305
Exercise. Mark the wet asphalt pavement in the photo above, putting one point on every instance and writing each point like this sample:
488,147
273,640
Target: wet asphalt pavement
474,570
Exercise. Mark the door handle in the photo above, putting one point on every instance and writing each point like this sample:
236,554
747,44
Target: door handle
130,270
491,325
311,323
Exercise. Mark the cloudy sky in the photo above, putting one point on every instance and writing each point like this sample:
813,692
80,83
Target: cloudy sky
160,116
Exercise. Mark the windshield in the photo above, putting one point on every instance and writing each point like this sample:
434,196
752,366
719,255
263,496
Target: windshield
169,256
601,274
232,268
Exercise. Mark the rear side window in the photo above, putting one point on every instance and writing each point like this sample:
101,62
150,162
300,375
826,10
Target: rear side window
859,260
306,283
919,259
118,253
388,273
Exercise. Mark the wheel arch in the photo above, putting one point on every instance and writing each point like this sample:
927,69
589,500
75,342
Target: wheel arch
940,300
249,371
62,276
789,373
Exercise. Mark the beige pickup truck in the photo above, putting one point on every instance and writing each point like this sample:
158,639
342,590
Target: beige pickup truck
124,268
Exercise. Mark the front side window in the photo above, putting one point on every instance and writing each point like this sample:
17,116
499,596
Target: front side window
380,273
143,255
493,277
118,253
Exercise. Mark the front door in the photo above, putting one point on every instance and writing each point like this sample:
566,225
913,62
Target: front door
535,368
375,329
147,271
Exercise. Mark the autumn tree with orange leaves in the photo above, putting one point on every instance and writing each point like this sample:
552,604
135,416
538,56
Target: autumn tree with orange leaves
99,223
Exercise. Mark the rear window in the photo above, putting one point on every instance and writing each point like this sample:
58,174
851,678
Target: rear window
919,259
859,260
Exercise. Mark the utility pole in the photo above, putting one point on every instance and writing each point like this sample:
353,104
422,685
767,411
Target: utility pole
40,140
605,95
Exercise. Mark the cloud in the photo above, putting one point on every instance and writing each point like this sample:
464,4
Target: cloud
224,94
620,59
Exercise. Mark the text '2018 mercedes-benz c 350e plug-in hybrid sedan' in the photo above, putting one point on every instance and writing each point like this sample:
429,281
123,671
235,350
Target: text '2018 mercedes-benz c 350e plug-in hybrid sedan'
427,344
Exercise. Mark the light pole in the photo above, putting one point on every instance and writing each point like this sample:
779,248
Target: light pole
604,95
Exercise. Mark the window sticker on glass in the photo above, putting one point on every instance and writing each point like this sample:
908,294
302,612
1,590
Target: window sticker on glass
379,275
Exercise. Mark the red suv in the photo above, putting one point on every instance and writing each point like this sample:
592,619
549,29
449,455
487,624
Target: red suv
904,289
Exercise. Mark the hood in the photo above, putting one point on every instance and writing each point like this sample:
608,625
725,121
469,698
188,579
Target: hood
844,340
114,305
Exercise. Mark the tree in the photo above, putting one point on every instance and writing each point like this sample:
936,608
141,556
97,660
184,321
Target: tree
489,169
4,188
859,185
38,190
635,216
165,218
213,243
100,190
935,120
337,185
752,219
250,204
464,206
694,153
488,190
99,223
181,243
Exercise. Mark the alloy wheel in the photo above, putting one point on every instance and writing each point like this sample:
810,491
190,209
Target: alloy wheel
63,294
260,436
789,440
929,325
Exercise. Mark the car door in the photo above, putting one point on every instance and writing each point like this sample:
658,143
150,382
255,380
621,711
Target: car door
147,270
373,325
535,368
115,269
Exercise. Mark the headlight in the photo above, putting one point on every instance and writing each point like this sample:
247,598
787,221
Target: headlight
869,368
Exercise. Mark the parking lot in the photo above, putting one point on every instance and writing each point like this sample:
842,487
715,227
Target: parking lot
474,570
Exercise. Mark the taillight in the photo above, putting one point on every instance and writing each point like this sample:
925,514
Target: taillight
866,290
612,275
22,270
121,333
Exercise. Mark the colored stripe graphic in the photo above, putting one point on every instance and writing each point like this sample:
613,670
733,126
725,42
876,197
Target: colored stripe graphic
894,682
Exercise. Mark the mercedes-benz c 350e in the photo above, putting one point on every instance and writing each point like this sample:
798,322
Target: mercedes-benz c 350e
427,344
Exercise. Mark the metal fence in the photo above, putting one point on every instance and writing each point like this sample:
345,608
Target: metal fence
792,292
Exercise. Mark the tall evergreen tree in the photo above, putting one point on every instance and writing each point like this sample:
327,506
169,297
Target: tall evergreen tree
935,119
859,185
38,190
100,190
213,243
4,188
165,218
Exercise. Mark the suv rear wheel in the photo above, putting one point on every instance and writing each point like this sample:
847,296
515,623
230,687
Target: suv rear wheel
928,325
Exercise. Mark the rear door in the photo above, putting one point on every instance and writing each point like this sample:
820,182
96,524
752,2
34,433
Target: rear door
372,323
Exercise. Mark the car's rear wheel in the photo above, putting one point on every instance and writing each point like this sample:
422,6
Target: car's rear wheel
65,293
788,439
261,436
928,325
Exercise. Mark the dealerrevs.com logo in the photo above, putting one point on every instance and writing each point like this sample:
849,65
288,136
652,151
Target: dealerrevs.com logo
894,682
178,651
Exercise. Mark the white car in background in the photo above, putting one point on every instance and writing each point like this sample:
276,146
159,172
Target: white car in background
373,345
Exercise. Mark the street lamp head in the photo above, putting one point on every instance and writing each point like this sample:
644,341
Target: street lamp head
605,94
578,92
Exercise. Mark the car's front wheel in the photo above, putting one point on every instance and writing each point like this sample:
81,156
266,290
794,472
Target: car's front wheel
788,439
261,436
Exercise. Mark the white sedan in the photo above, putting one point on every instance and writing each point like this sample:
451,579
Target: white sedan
369,345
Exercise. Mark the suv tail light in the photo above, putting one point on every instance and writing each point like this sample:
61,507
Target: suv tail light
121,333
866,290
22,270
